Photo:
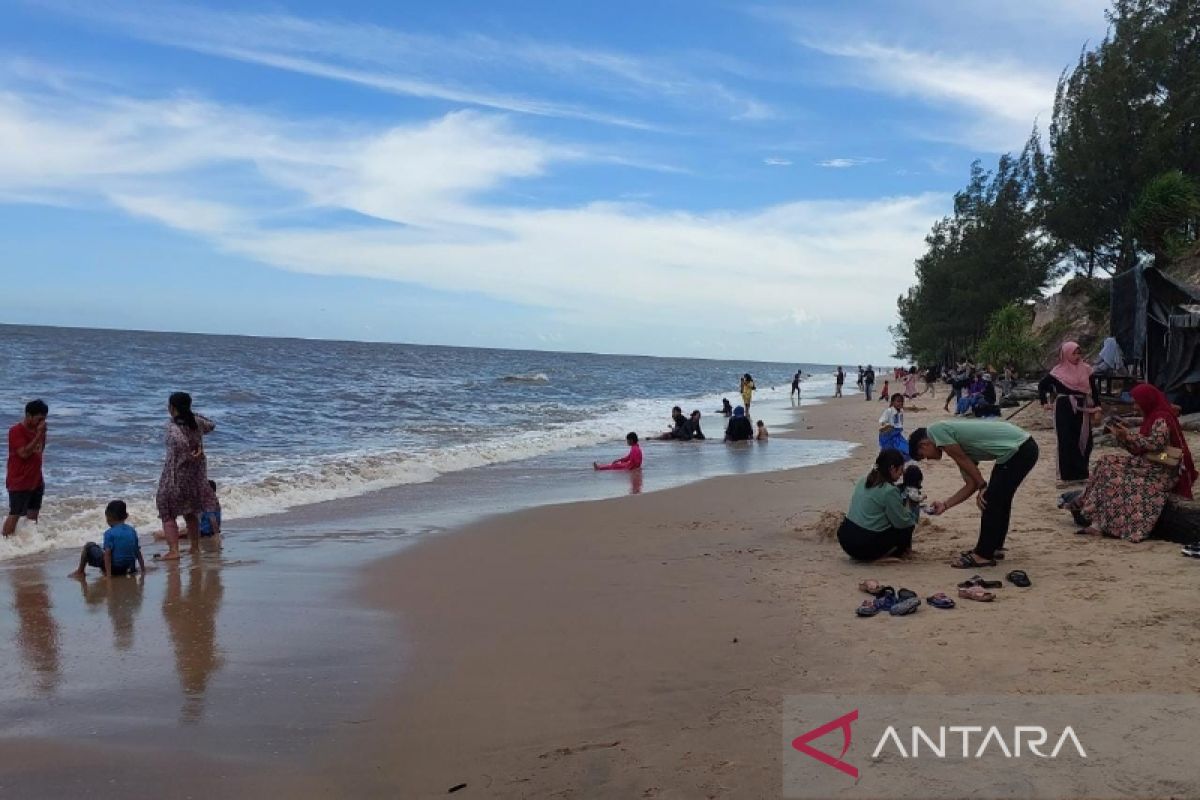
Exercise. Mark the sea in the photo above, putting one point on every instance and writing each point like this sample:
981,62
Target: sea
428,432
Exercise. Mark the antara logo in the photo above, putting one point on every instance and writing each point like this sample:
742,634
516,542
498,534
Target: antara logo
1031,738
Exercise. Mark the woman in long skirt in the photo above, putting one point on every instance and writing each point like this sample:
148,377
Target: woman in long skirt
1126,493
1076,402
183,489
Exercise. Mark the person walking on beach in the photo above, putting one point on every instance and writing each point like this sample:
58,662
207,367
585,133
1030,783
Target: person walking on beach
183,489
869,380
24,480
860,377
795,386
1076,405
969,442
840,379
747,390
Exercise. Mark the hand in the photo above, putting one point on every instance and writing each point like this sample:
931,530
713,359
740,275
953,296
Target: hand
938,507
981,500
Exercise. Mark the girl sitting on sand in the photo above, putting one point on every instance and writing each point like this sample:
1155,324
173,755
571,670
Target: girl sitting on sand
880,521
630,462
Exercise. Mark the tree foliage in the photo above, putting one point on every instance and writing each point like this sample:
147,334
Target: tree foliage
1010,338
1117,186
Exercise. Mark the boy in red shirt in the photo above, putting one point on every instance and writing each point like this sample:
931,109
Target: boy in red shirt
26,442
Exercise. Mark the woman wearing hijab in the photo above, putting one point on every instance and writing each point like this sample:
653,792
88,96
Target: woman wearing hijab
739,428
1126,493
1076,400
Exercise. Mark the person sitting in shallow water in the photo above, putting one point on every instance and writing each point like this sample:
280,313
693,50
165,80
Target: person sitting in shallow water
762,434
680,429
694,426
880,520
631,461
739,428
726,408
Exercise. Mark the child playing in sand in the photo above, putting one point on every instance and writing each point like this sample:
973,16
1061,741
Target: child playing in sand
883,394
630,462
762,431
891,426
121,553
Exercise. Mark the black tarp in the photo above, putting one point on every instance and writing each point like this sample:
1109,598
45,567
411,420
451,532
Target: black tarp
1154,322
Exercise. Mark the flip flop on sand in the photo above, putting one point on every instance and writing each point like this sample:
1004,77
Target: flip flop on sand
872,587
908,605
967,561
978,580
867,609
977,593
905,594
940,600
1191,550
1018,578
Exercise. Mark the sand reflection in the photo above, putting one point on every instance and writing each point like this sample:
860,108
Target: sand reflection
191,618
37,632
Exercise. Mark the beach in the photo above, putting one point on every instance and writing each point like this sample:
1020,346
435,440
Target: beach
638,646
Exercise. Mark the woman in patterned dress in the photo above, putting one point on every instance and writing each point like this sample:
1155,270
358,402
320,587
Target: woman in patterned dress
1126,493
183,488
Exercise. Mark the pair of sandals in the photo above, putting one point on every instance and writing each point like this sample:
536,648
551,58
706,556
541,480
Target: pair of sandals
898,604
967,559
976,587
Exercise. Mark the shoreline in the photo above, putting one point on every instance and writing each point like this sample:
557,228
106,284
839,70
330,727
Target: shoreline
627,647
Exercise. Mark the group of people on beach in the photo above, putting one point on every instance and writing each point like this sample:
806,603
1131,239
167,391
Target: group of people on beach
184,489
1121,496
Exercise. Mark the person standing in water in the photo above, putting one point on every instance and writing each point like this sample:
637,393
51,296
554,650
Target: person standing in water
747,390
795,386
24,479
183,489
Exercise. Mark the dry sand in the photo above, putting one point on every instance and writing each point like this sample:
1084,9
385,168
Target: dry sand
641,647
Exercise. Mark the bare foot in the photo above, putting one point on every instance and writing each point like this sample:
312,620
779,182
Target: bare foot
169,556
77,574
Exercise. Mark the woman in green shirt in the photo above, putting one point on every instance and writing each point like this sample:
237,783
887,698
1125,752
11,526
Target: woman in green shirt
879,522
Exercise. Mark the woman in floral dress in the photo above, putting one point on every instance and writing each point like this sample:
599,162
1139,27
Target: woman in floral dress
1126,493
183,489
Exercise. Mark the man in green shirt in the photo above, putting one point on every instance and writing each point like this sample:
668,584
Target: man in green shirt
968,442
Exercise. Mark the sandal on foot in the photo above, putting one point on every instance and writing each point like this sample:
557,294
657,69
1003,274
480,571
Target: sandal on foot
967,561
1018,578
867,609
940,600
977,593
906,606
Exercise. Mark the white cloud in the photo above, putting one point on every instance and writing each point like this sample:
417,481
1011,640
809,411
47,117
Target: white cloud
250,185
999,98
846,163
397,61
777,162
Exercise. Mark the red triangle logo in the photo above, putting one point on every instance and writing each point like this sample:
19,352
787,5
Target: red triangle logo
843,722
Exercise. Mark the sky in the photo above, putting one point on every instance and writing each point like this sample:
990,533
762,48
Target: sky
673,178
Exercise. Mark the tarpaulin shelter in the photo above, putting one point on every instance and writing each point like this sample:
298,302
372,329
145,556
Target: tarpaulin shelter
1156,321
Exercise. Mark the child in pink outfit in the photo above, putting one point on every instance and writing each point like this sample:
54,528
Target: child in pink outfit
629,462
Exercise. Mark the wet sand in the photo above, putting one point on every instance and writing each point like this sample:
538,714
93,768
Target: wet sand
631,647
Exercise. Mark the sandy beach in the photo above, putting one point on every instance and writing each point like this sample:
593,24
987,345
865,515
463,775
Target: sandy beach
630,647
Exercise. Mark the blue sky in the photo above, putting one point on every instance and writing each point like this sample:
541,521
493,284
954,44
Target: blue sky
708,179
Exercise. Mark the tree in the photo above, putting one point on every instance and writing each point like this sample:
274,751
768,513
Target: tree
1165,218
1010,338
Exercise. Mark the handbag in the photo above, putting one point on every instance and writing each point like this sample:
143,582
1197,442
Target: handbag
1169,457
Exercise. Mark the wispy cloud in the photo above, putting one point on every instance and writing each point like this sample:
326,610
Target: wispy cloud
777,162
397,61
846,163
250,185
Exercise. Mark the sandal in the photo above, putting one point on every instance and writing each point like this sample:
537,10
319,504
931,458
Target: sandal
940,600
905,594
1018,578
967,561
908,605
872,587
978,580
885,600
867,609
1191,550
977,593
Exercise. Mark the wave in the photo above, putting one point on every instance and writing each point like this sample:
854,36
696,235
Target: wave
536,377
286,484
